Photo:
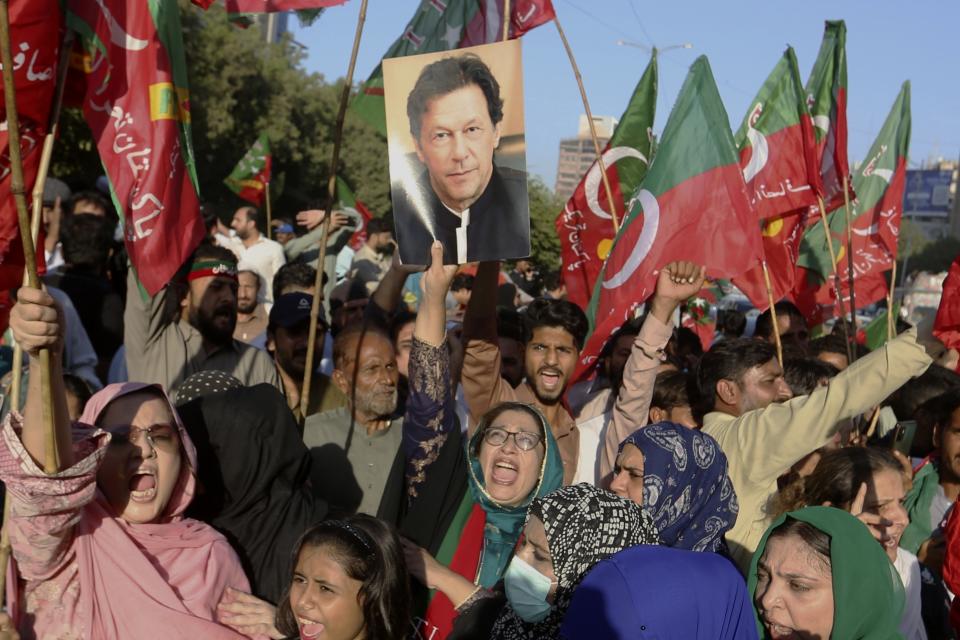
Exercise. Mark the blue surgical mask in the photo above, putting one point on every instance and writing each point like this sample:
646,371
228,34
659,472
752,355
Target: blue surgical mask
527,590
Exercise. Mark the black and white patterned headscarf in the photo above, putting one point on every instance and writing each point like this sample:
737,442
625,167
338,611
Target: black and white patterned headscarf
584,525
204,383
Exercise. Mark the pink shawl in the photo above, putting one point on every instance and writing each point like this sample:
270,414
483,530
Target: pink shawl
153,580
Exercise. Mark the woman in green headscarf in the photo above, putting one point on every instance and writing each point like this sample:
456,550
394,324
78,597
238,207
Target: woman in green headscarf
818,573
463,503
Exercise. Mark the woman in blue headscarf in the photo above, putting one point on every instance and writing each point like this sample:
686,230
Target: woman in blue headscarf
663,593
679,476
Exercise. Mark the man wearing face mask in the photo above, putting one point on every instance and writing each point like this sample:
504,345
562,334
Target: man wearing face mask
188,326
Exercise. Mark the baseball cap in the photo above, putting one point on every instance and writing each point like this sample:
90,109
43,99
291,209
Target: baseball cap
291,309
52,189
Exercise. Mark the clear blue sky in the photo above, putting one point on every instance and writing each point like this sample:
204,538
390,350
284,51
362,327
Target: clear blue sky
887,42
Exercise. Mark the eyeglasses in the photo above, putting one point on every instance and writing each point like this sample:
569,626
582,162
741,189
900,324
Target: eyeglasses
525,440
160,436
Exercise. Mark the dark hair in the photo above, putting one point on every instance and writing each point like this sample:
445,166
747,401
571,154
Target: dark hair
939,410
399,321
509,324
93,197
803,375
670,390
837,478
500,409
462,281
87,240
369,551
726,360
299,274
358,331
731,322
630,328
79,387
210,251
933,382
506,294
446,76
252,214
816,540
378,225
255,274
552,281
764,326
210,217
555,313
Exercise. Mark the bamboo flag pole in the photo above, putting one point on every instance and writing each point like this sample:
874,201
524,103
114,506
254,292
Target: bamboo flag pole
46,155
847,216
506,20
891,319
836,278
593,128
773,312
331,190
51,462
266,196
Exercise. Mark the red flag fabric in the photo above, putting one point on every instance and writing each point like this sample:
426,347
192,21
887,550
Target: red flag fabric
487,24
692,206
781,246
137,106
270,6
946,327
36,31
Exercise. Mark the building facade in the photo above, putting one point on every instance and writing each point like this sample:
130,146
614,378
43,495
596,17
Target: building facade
577,155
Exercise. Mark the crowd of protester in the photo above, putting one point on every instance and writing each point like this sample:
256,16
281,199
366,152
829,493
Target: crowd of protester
448,477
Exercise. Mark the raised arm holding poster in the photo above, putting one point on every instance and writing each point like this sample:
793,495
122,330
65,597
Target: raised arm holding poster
457,154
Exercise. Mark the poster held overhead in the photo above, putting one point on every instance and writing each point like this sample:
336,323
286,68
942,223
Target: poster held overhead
455,136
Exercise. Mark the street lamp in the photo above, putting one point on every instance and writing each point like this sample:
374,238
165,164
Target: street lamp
628,43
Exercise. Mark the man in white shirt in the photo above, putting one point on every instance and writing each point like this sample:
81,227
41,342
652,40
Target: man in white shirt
257,252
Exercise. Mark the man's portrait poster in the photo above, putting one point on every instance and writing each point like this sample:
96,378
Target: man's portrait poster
457,154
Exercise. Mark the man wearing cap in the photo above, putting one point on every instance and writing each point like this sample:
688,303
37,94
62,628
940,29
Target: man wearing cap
372,259
251,314
353,447
287,334
188,326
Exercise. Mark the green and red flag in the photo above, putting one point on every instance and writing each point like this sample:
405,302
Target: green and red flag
442,25
692,205
876,215
876,333
36,31
827,100
137,106
249,179
348,202
585,226
696,313
777,147
780,238
272,6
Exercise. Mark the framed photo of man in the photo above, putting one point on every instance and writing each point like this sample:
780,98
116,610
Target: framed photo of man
455,135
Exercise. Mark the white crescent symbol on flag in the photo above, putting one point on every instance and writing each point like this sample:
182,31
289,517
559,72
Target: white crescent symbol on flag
118,36
591,186
822,122
651,222
886,174
869,231
759,154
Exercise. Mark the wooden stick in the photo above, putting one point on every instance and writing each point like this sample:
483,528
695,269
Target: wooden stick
891,319
506,20
266,196
331,191
873,422
593,129
46,155
848,217
51,462
773,313
836,278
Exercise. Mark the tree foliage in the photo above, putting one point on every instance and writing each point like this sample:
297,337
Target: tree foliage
544,208
239,87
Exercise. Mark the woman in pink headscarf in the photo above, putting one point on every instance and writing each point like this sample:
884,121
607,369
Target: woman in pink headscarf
102,547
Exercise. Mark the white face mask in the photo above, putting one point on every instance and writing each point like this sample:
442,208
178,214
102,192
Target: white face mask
527,590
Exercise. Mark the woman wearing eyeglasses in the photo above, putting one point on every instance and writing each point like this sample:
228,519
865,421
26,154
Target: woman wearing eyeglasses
463,505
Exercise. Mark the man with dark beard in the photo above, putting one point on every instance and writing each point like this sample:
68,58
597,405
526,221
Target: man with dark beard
353,447
251,314
188,326
287,335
